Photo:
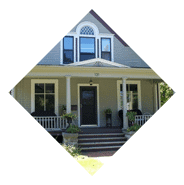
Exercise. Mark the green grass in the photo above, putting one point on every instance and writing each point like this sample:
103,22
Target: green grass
91,165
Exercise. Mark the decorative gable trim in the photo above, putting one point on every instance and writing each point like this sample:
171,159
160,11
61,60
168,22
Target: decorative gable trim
98,62
108,27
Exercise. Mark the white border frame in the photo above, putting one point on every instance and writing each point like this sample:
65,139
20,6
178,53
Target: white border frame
98,105
33,81
110,161
138,82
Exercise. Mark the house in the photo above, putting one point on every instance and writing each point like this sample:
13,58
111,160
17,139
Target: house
89,70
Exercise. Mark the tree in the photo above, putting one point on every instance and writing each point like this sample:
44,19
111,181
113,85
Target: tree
165,93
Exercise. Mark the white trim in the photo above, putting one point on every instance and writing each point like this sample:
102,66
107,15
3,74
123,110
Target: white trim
33,81
98,105
98,60
138,82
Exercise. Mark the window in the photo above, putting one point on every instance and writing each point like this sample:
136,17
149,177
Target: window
44,95
87,48
106,48
86,43
68,53
87,30
133,95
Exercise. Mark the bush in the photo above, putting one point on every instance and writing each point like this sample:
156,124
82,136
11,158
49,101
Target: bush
73,129
131,115
134,127
108,111
72,150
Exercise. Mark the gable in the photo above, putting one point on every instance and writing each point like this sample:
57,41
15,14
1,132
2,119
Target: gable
98,62
119,51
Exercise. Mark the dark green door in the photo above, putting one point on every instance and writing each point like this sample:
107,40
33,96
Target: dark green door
88,105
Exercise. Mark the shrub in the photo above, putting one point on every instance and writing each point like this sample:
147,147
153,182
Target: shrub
72,150
69,115
134,127
108,111
73,129
131,115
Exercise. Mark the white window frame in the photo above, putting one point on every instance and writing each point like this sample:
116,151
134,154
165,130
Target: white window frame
96,35
138,83
45,81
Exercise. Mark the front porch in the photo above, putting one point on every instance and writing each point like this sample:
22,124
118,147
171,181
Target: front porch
87,92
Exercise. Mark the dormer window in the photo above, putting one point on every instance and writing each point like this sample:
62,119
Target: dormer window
87,43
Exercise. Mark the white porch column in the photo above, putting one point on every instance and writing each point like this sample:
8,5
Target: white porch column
125,123
68,94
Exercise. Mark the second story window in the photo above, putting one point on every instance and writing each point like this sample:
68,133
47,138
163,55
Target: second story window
87,48
106,48
68,53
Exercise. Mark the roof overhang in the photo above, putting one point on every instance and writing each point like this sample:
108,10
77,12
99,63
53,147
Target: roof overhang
48,71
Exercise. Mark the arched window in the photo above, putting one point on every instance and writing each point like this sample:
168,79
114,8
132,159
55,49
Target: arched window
87,30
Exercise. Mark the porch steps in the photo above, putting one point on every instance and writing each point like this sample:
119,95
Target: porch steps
105,139
101,141
101,147
101,134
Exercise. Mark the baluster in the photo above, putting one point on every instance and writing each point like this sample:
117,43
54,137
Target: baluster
47,121
44,122
57,124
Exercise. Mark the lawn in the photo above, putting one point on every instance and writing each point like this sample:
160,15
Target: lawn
91,165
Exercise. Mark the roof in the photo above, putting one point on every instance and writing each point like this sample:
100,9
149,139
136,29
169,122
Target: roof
92,12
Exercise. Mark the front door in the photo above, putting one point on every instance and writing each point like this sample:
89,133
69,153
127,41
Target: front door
88,106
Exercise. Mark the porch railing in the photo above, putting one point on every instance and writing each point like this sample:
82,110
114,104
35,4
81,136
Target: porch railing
141,119
52,122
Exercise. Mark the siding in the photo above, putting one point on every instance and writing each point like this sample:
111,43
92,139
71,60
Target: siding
107,95
126,56
23,93
53,57
147,93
